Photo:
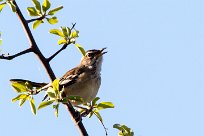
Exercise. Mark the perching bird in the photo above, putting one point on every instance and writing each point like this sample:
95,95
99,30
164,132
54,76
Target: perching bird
85,79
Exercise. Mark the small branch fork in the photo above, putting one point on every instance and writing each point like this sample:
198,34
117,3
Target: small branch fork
45,62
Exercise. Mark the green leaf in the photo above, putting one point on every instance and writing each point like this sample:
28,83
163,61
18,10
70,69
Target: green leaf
19,87
32,105
37,5
53,11
56,107
22,101
76,98
32,11
52,20
46,5
56,32
66,31
95,100
37,23
51,95
61,41
12,6
20,96
55,85
124,130
90,114
74,34
2,5
98,115
105,105
117,126
81,49
28,85
45,104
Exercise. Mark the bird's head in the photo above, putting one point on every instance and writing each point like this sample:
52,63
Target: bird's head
93,57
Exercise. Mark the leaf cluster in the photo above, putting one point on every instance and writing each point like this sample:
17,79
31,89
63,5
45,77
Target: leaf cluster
43,12
94,108
24,90
67,36
7,2
54,96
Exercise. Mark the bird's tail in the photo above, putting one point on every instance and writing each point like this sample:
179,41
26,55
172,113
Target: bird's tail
40,86
34,84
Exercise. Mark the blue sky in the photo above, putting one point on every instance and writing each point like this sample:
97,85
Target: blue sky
153,72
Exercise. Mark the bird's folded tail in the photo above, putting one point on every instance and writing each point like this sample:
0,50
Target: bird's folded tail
40,86
33,84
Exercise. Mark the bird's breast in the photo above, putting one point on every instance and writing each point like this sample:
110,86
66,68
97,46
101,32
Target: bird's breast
87,90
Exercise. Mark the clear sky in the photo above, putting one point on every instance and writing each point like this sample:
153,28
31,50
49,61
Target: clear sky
153,71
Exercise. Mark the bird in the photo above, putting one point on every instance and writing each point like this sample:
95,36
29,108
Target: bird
83,80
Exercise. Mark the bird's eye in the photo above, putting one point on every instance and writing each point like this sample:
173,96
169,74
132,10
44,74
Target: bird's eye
90,55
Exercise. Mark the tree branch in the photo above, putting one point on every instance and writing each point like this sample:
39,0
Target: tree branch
76,118
57,52
8,57
33,44
47,67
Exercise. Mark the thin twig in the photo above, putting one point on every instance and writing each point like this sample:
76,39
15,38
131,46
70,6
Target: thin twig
34,19
73,25
105,129
10,57
57,52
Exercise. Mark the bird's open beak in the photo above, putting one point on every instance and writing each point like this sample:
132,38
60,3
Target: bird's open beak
101,52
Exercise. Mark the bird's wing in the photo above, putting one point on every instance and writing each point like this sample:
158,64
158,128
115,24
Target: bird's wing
72,76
